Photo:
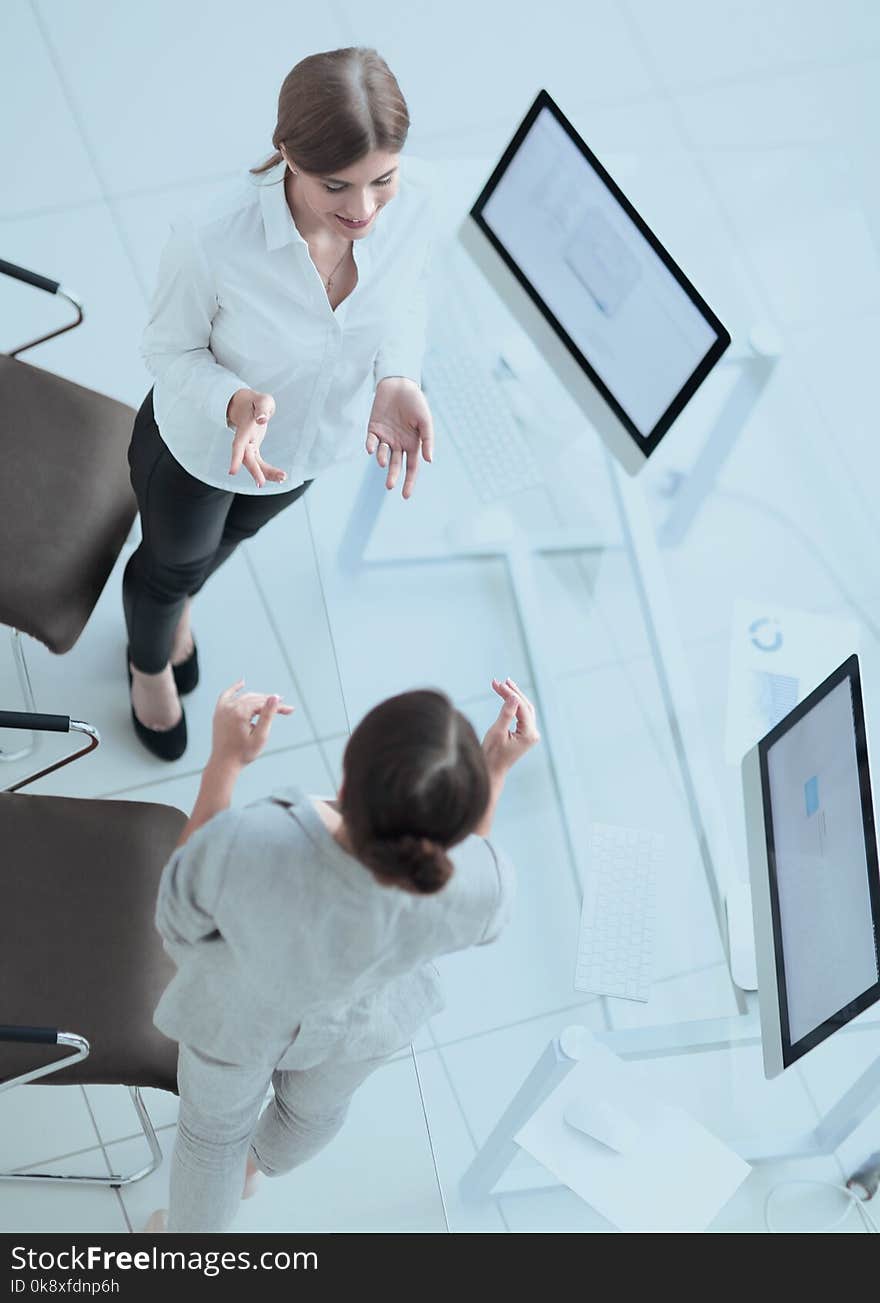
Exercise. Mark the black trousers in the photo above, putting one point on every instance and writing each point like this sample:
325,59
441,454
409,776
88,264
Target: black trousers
189,529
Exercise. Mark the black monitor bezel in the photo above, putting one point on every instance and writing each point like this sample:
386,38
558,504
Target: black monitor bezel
849,670
646,443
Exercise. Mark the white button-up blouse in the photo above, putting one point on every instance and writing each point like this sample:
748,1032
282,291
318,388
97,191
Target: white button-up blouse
240,304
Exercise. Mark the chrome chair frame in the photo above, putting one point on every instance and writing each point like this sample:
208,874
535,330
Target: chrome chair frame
81,1048
56,288
21,1034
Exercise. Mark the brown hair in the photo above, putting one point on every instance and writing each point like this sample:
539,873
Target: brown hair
336,107
415,783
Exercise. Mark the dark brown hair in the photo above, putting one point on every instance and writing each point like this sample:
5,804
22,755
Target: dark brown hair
336,107
415,782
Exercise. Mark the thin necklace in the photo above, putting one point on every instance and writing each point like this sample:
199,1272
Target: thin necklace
329,281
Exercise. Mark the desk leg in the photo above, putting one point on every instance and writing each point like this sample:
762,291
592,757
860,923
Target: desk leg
853,1107
640,1043
500,1149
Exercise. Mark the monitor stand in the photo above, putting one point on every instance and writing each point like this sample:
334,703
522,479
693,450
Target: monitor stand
755,360
741,936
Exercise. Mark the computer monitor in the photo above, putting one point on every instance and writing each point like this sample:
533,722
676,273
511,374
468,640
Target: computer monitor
813,867
610,311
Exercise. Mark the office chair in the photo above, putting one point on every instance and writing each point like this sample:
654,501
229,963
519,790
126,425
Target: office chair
66,505
81,962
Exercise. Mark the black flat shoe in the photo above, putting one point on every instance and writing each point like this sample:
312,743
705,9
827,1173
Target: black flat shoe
186,674
165,744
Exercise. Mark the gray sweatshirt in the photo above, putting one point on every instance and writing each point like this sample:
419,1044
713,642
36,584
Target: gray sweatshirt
289,951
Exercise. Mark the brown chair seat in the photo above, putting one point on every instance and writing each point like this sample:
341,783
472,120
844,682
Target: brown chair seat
66,504
78,946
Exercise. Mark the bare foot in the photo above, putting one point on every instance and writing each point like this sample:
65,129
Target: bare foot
155,699
252,1178
182,647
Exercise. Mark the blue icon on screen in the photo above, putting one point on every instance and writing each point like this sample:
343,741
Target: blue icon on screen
811,795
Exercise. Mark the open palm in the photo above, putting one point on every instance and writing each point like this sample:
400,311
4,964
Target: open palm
400,427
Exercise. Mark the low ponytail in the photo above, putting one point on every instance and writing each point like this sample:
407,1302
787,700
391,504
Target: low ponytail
271,162
409,861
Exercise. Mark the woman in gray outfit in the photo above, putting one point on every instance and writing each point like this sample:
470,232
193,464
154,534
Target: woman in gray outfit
304,931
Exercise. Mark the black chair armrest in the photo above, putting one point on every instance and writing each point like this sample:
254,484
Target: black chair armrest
29,1035
34,722
29,277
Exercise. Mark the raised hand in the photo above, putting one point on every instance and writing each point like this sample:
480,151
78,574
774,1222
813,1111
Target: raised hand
514,732
242,721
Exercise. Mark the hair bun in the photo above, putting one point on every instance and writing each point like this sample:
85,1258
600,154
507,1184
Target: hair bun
424,862
418,861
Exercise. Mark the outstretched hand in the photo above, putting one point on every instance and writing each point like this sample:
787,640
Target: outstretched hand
400,426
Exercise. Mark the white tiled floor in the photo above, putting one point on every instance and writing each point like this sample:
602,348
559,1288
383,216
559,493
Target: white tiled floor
44,1122
746,134
128,82
81,248
115,1115
46,1209
50,168
90,683
523,48
740,42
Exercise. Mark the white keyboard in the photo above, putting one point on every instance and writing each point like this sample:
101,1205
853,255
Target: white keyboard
469,404
616,941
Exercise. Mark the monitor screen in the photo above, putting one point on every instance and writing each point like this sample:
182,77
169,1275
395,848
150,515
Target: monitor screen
821,846
598,275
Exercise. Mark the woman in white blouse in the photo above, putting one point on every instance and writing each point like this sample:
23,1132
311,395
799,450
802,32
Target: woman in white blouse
278,316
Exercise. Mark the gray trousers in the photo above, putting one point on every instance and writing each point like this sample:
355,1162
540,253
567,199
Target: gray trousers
220,1124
